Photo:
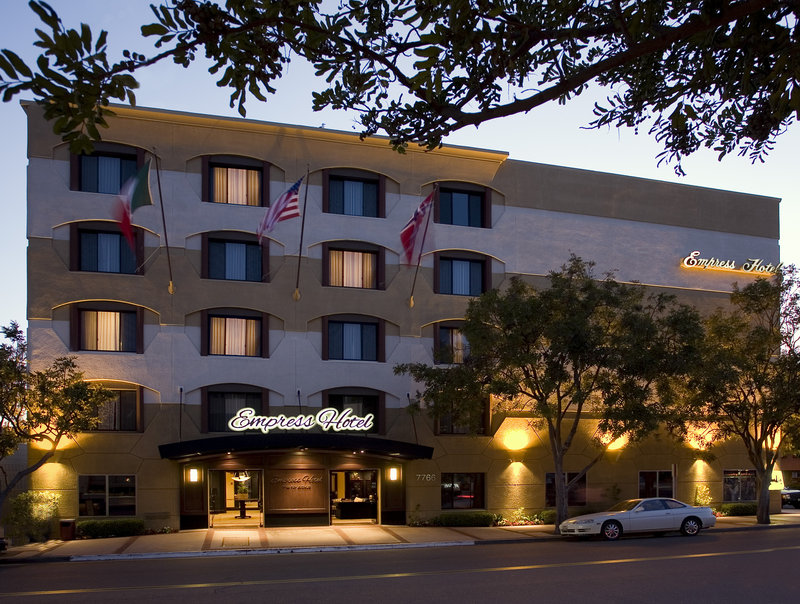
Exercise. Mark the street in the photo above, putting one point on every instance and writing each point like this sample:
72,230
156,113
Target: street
749,566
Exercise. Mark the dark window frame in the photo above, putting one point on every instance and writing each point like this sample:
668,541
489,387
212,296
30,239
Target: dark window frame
329,399
78,230
205,404
445,426
355,246
209,162
442,355
355,176
661,486
106,495
208,239
442,214
738,481
478,490
102,149
76,324
354,319
138,425
205,337
576,495
439,258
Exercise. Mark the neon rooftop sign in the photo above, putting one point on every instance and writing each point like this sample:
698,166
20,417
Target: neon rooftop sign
752,266
327,419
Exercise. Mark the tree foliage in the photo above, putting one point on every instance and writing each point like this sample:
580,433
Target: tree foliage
40,407
720,74
748,384
578,351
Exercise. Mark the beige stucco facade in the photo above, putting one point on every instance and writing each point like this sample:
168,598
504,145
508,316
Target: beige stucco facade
537,216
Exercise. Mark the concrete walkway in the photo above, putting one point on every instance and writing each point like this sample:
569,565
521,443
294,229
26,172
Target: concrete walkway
227,542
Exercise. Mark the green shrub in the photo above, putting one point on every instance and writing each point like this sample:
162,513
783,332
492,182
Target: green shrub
117,527
738,509
32,516
464,519
702,495
547,517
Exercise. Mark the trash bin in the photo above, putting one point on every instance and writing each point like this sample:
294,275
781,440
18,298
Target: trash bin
67,529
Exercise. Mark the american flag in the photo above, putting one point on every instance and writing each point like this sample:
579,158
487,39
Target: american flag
408,236
285,207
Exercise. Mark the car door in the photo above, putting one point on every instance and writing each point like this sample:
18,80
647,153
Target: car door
650,515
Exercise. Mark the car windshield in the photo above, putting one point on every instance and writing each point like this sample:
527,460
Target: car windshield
624,506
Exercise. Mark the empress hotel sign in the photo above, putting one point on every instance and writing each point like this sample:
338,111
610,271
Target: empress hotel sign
753,265
327,419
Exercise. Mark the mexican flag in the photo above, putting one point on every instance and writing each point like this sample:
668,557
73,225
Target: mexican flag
133,194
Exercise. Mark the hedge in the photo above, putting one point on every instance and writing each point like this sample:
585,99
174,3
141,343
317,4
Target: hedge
464,519
117,527
738,509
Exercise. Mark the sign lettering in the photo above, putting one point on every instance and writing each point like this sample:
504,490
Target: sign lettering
753,265
327,419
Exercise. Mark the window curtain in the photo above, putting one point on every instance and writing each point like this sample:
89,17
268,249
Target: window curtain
88,251
353,270
458,345
460,209
237,186
336,269
461,277
108,246
234,336
240,186
351,341
100,330
236,261
353,198
108,174
221,185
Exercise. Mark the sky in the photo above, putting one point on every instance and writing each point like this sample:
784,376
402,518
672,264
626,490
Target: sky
551,134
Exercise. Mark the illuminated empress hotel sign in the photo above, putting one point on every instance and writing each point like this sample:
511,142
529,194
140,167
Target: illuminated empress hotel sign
327,419
753,265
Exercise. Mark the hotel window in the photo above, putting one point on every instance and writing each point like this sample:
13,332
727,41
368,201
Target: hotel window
112,495
576,494
353,340
354,265
235,180
655,483
461,275
353,193
468,420
738,485
101,251
121,413
464,208
450,344
462,490
109,330
361,404
221,403
234,260
235,335
104,171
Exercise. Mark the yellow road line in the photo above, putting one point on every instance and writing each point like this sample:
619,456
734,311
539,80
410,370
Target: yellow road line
497,569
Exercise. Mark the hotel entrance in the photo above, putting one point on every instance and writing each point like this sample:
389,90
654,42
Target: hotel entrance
235,498
354,496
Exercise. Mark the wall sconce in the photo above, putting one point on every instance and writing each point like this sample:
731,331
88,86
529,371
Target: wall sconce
194,475
394,474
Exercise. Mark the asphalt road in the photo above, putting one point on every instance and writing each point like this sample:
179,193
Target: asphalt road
756,567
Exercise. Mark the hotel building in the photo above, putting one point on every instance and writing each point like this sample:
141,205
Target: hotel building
197,321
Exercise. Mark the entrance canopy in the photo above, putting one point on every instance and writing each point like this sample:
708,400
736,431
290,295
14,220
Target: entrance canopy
239,443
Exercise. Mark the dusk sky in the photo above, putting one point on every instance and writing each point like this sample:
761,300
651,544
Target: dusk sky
551,134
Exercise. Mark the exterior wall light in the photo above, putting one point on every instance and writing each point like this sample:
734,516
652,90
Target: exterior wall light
394,474
194,475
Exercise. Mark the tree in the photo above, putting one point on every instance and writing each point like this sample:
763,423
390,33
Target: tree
748,383
41,407
720,74
580,350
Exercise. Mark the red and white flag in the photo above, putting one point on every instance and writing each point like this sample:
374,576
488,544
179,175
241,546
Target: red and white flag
134,194
410,235
285,207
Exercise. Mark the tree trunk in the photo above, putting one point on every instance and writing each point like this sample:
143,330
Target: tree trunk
763,479
560,483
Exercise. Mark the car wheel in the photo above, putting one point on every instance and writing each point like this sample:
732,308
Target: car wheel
691,526
611,531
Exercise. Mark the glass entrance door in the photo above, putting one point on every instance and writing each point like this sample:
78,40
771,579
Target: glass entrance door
235,498
354,496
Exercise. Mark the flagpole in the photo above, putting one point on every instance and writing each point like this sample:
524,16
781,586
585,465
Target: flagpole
419,258
296,294
170,288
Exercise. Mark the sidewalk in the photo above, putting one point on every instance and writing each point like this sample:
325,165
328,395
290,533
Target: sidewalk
227,542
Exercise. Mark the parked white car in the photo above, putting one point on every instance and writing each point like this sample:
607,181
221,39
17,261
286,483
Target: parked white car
652,515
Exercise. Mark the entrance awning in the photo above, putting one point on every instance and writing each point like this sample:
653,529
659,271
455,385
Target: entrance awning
238,443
